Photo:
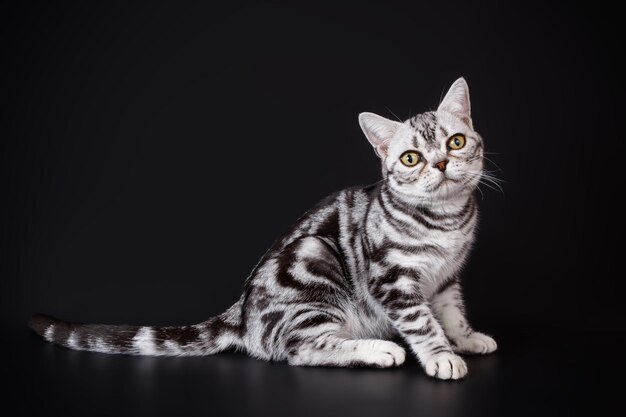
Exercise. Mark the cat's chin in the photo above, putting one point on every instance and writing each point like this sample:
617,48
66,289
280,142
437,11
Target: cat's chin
449,197
444,195
448,189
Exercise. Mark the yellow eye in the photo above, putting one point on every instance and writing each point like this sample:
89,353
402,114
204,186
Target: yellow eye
456,142
410,158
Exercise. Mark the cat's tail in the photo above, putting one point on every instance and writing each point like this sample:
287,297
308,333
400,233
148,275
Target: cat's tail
212,336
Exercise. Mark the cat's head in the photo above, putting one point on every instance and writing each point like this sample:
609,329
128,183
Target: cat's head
434,156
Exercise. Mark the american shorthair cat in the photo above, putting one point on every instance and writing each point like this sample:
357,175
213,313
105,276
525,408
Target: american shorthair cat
363,266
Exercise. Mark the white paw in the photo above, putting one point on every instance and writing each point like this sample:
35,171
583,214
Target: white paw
476,342
381,353
446,366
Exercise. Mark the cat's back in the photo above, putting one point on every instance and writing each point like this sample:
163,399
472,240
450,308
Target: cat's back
335,215
336,219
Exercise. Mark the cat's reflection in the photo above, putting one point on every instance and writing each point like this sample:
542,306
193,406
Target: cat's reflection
245,384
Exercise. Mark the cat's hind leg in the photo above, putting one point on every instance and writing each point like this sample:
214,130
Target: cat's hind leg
328,348
312,331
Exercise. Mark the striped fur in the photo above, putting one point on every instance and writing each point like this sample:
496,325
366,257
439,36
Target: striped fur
364,265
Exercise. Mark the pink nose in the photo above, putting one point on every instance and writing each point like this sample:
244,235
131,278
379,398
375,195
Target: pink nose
441,165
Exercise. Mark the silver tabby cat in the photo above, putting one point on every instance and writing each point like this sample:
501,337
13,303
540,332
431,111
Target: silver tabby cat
363,266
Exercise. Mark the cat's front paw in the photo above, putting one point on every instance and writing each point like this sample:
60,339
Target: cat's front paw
476,342
446,366
381,353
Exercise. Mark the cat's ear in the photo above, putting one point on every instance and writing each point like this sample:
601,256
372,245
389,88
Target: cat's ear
457,101
379,131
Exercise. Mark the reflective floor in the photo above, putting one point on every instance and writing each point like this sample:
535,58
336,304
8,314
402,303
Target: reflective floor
531,374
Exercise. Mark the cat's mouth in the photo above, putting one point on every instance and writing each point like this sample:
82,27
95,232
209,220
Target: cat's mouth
445,182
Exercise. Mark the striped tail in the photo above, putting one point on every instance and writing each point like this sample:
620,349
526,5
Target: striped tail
214,335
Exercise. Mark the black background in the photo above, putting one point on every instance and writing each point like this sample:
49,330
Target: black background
151,154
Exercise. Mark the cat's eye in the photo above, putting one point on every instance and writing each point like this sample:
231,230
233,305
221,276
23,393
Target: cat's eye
410,158
456,142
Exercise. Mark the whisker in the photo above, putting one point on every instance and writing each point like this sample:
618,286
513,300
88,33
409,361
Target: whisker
489,186
486,180
494,179
488,174
482,196
394,115
496,185
492,161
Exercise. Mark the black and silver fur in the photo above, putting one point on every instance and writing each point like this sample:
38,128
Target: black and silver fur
363,266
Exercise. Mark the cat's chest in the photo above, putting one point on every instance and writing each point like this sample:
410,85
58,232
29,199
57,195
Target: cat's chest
444,263
434,257
449,243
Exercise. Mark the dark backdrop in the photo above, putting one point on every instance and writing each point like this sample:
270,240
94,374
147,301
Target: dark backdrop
150,155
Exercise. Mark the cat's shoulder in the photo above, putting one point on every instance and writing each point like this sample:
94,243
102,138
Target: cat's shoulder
358,192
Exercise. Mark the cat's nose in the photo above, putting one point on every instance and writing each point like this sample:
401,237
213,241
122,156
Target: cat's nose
441,165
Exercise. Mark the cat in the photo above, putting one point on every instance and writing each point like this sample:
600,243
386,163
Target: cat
363,266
